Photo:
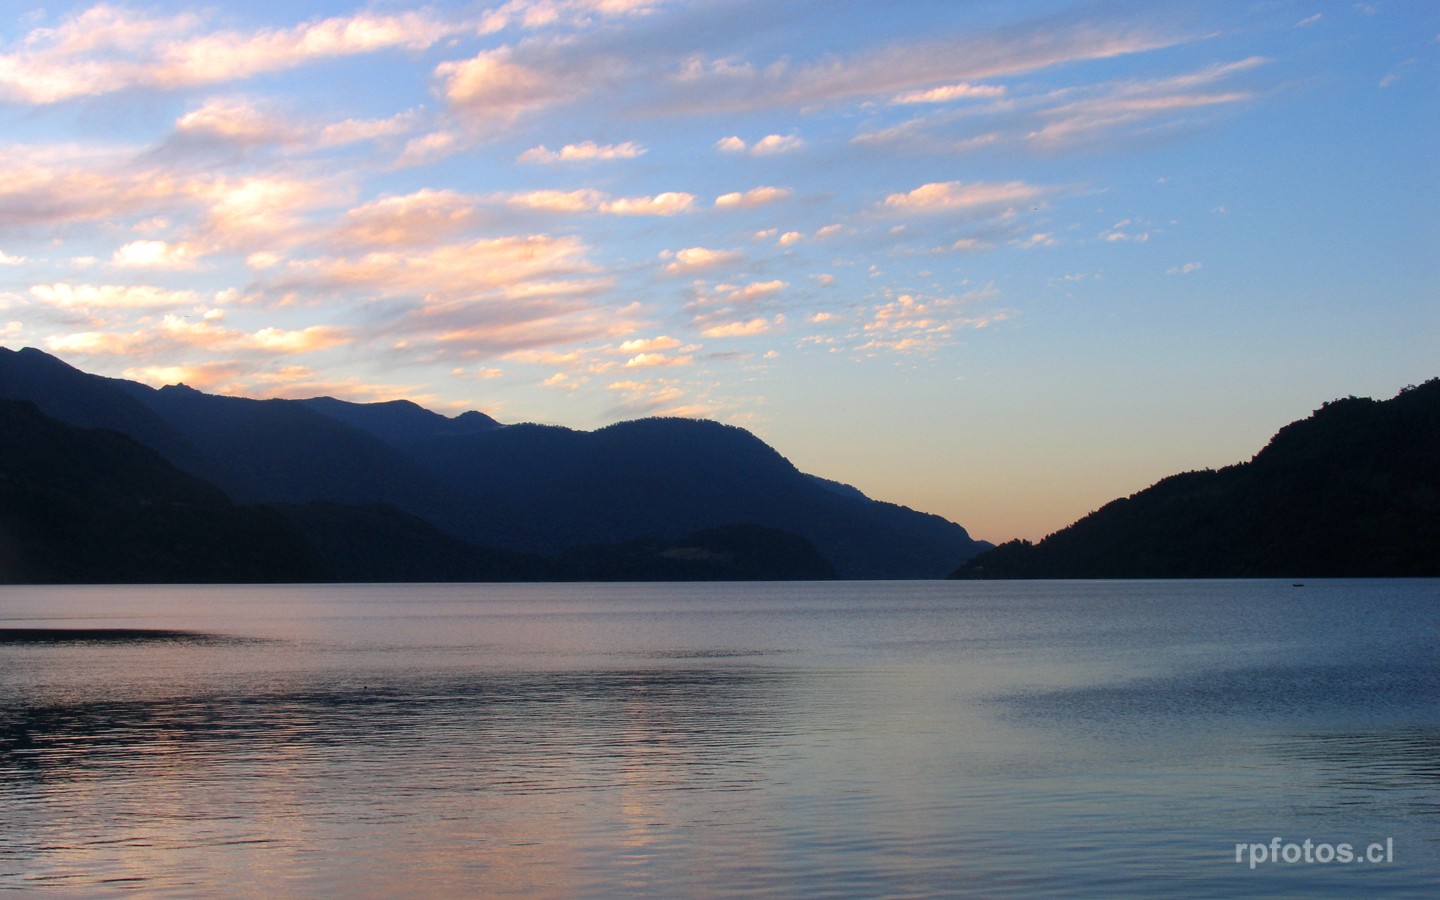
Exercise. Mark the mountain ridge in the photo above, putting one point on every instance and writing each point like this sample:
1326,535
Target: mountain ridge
1353,490
524,488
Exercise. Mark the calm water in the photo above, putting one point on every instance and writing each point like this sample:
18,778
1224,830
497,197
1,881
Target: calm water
872,739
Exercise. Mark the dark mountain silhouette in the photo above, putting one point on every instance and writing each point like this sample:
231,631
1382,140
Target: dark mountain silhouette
526,489
383,544
1351,491
554,488
399,423
728,553
88,401
94,506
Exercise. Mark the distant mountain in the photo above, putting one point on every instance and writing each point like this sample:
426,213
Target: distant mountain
94,506
1351,491
728,553
399,423
553,488
521,489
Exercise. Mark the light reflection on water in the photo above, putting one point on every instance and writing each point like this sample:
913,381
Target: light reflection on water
663,740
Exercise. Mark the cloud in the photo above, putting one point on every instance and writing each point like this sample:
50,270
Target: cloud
7,260
428,148
207,333
770,145
586,151
666,204
644,345
154,255
493,85
957,196
477,297
205,377
950,93
584,200
424,217
751,292
760,196
457,273
63,295
656,360
694,259
911,322
535,14
1133,103
352,130
107,48
1072,116
738,329
315,337
773,144
1118,233
589,200
235,121
1186,269
725,85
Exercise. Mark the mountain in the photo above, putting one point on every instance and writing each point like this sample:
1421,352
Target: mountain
94,506
520,489
554,488
1351,491
399,423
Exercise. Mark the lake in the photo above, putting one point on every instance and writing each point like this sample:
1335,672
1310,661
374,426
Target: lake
898,739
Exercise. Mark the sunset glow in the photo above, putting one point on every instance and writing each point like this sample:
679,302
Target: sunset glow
999,261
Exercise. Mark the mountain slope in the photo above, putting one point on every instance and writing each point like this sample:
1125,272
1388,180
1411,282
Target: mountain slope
553,488
1353,490
93,506
399,423
519,488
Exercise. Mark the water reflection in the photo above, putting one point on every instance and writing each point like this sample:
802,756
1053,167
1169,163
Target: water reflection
455,779
1375,688
821,740
1389,773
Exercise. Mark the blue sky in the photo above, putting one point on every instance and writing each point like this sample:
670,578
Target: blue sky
997,261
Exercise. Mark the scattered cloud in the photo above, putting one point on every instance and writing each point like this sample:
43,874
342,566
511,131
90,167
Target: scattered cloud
912,322
428,148
701,84
646,345
695,259
1185,269
760,196
107,48
738,329
950,93
1133,103
590,200
586,151
656,360
64,295
426,216
956,196
154,255
770,145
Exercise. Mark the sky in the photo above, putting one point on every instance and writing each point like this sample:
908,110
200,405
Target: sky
998,261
